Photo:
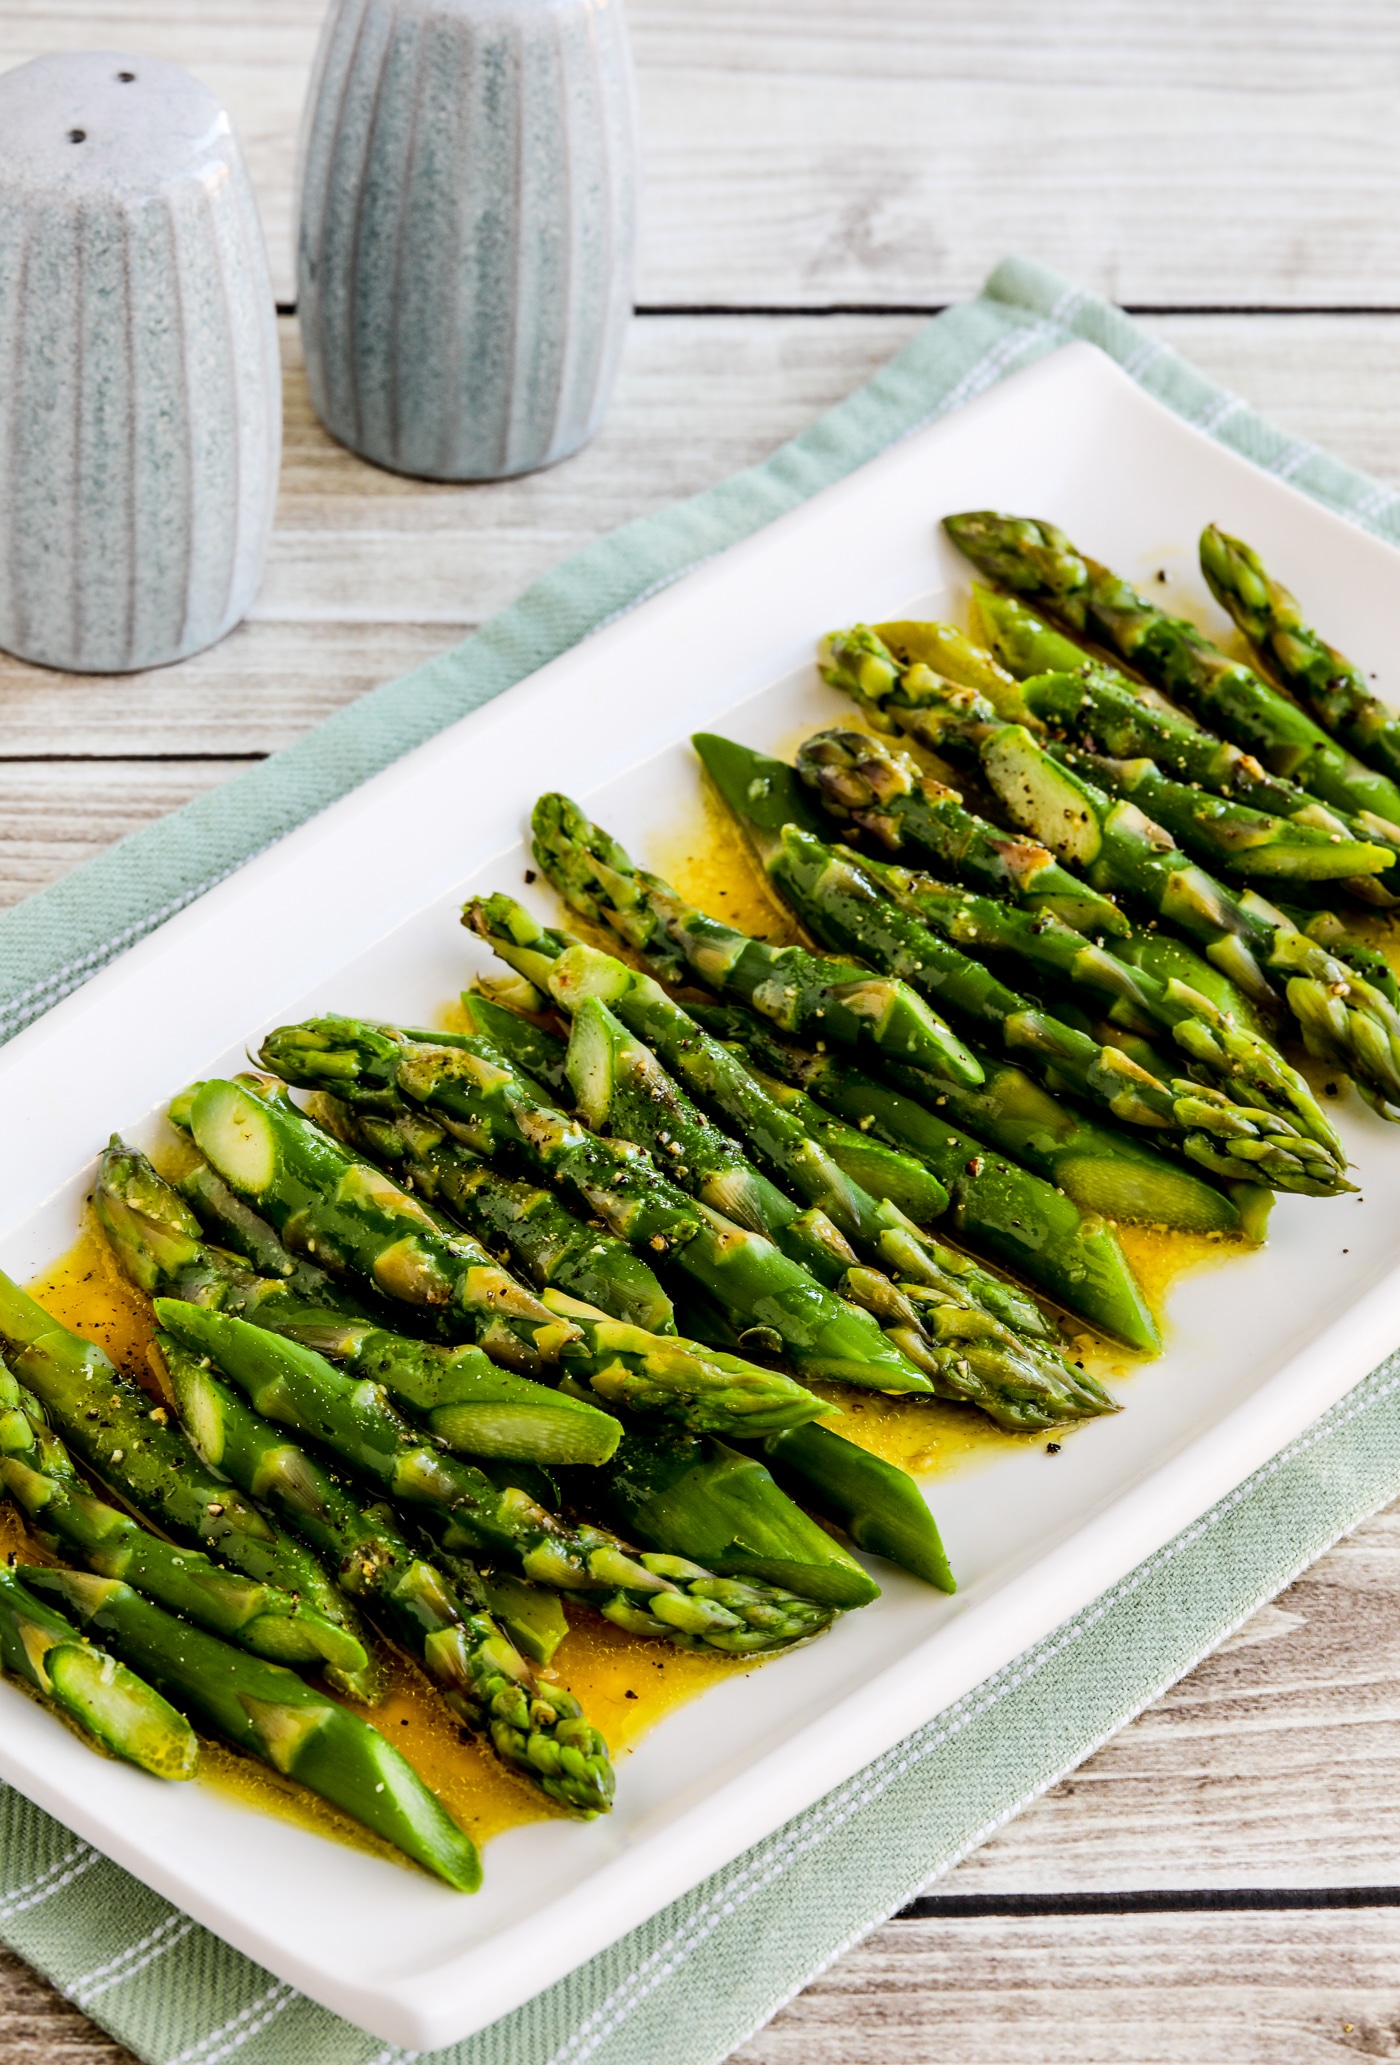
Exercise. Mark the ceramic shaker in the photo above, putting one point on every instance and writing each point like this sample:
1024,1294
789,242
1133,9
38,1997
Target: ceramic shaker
467,212
141,398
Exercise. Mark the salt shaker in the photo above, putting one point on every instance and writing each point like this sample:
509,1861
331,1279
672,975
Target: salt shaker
467,225
141,401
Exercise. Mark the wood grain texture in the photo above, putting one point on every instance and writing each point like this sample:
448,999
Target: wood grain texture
1180,1989
39,2027
803,152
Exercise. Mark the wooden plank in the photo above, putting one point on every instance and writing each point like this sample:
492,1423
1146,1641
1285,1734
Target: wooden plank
53,815
1175,1989
1276,1763
804,152
39,2027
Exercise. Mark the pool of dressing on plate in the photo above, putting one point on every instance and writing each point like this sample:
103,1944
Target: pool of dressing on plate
625,1684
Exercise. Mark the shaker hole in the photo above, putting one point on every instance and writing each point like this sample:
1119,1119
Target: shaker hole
126,78
77,136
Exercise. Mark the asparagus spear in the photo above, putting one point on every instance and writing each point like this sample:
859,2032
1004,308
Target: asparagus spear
569,971
1345,1020
346,1213
444,1623
1231,835
1037,560
879,1505
1043,1225
36,1470
101,1698
126,1441
475,1090
271,1713
967,1353
1074,696
885,1197
1323,680
837,897
788,984
545,1241
704,1390
300,1389
862,781
456,1393
677,1380
1211,1040
1224,805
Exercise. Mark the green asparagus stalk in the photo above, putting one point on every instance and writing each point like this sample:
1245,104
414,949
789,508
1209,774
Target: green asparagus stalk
1211,1041
788,984
1093,704
1040,1220
886,1198
346,1214
444,1623
1263,824
837,898
878,1504
546,1242
100,1697
568,971
300,1389
273,1715
967,1353
1038,561
1231,835
862,781
1345,1020
1323,680
496,1107
1232,1054
38,1473
724,1506
704,1390
113,1427
457,1394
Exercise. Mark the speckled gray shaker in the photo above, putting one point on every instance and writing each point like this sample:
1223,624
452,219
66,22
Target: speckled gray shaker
140,389
467,223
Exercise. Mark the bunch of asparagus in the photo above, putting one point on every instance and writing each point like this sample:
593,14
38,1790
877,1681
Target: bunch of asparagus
533,1311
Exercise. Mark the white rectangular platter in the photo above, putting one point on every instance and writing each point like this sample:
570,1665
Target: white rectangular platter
358,911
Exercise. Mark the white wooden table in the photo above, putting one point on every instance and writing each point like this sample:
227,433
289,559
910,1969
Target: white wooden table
1222,1881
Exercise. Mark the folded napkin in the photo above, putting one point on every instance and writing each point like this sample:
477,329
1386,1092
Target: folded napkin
698,1978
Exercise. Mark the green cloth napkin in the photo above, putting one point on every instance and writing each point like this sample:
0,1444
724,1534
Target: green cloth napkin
693,1982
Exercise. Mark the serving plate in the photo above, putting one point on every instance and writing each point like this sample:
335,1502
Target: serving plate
357,911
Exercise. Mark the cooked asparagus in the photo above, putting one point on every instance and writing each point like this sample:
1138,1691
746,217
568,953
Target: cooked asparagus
274,1715
37,1472
788,984
1323,680
837,897
443,1623
346,1213
300,1389
1037,560
497,1107
1212,1042
126,1440
105,1701
457,1394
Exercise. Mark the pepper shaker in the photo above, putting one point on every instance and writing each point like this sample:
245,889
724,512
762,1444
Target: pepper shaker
467,227
141,400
